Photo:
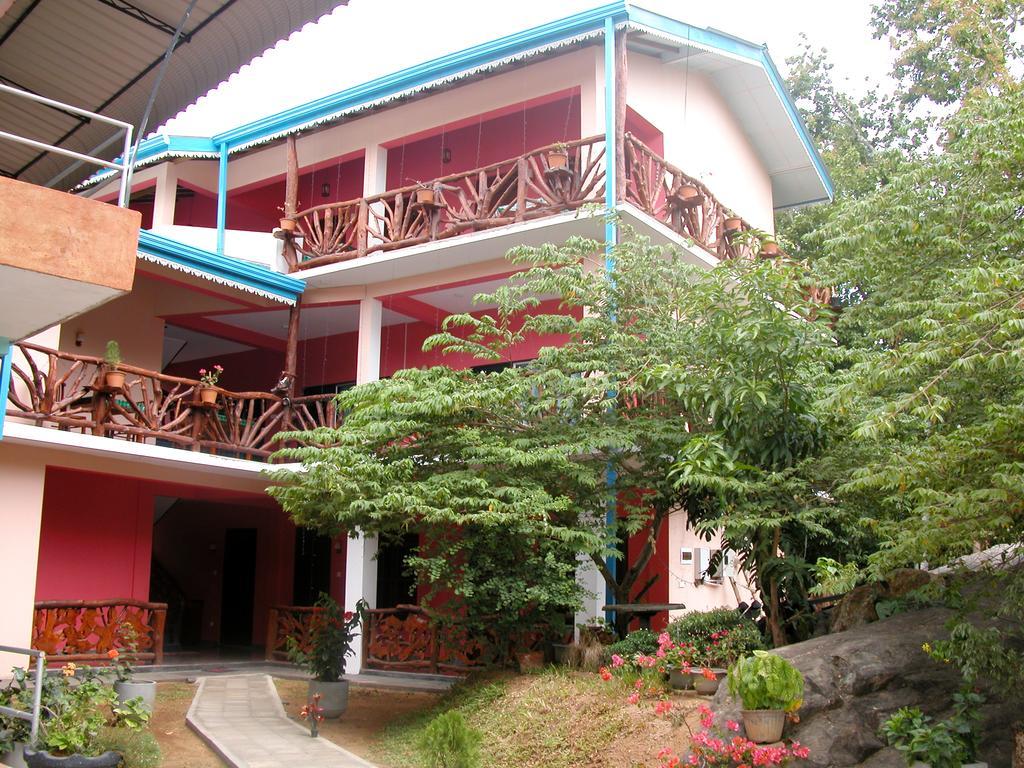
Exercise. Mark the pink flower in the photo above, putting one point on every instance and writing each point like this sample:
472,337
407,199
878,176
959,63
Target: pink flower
634,697
732,725
202,371
617,661
662,707
638,684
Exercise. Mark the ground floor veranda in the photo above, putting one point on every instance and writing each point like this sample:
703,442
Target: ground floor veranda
205,564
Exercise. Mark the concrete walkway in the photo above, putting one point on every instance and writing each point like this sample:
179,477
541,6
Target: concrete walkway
241,718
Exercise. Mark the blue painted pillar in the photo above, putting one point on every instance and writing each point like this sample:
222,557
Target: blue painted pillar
222,197
611,236
6,353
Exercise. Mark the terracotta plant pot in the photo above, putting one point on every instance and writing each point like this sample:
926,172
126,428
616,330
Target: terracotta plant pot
558,160
688,196
770,249
114,379
288,225
333,696
764,726
425,196
137,689
708,686
733,224
530,661
207,395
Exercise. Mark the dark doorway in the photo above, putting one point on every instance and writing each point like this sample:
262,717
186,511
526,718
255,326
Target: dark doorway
312,566
394,585
239,586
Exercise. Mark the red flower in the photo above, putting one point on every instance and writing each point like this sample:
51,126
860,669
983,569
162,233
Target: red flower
605,674
112,653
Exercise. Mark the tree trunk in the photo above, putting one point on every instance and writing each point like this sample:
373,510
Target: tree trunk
774,619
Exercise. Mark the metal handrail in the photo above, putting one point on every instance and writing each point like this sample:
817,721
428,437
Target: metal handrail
128,129
37,694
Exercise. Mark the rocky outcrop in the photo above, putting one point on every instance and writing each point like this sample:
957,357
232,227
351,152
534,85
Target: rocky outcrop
855,679
858,606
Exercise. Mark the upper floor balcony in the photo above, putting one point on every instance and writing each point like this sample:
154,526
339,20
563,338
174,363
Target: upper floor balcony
550,180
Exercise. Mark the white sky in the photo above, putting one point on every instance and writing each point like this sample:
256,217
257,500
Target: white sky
370,38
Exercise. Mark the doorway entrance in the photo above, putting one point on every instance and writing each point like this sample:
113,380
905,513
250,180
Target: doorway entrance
238,586
395,585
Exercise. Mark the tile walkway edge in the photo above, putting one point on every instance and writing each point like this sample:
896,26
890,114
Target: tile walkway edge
226,754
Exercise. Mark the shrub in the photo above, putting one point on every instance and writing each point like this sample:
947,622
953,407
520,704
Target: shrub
448,742
139,748
642,641
718,637
766,681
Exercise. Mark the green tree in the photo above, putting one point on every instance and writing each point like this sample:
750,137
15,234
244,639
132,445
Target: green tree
613,414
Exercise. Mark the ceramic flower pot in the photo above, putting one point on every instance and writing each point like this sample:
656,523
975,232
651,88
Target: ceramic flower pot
680,680
333,696
288,225
764,726
770,249
733,224
136,689
207,395
114,379
708,686
558,160
43,759
425,196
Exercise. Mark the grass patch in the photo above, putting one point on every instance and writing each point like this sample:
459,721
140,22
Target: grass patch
556,719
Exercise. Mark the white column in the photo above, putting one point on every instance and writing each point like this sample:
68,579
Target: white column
368,350
165,195
588,577
21,484
375,179
360,584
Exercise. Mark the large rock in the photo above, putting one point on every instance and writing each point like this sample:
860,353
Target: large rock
855,679
858,606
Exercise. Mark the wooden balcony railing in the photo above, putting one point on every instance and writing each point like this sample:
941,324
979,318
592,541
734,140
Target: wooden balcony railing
515,190
86,630
686,205
68,392
286,621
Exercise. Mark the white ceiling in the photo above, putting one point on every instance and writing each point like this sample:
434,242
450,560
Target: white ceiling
22,310
460,299
181,345
314,322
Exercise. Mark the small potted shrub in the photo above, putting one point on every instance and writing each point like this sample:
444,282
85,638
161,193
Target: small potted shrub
331,639
769,687
425,194
558,156
125,685
928,743
113,377
208,384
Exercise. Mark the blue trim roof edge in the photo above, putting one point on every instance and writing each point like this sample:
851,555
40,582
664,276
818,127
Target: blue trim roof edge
225,267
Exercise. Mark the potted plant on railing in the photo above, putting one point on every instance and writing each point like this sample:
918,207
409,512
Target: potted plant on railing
330,643
558,156
425,194
732,222
208,384
687,195
125,685
112,376
770,687
286,223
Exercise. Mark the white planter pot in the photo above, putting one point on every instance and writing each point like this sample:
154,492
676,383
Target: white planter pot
680,680
333,696
134,689
706,687
764,726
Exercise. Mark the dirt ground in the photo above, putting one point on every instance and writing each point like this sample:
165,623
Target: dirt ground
370,711
180,746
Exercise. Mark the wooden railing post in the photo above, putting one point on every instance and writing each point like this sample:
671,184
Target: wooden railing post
271,643
361,225
522,179
159,625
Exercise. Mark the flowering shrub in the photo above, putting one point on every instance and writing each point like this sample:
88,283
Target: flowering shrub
209,378
718,637
314,713
720,746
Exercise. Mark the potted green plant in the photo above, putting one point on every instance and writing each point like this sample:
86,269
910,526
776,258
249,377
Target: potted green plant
769,687
208,384
558,156
125,685
719,650
330,643
113,377
929,743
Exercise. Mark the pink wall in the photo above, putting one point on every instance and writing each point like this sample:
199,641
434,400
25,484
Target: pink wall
479,144
95,539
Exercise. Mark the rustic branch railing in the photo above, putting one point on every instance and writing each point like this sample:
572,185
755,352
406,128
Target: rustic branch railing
68,391
685,204
286,621
86,630
515,190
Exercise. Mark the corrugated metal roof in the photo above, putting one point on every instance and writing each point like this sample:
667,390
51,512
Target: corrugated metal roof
103,55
